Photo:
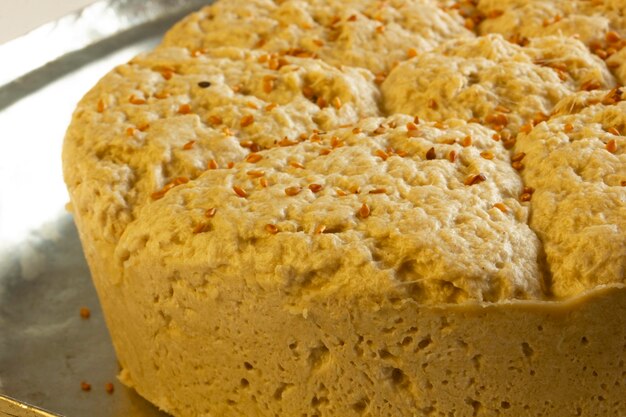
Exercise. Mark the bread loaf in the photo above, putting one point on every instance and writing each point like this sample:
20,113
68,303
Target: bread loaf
364,208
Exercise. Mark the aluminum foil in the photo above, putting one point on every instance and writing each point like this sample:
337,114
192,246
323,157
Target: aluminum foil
46,348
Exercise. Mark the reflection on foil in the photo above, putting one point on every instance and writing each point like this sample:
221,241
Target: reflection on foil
73,32
46,348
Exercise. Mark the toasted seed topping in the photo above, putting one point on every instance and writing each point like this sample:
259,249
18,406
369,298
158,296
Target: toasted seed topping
204,84
364,211
85,312
271,228
611,146
487,155
255,174
212,164
215,120
240,191
518,156
291,191
184,109
187,146
475,179
430,154
201,228
315,188
247,120
501,207
525,197
378,191
253,158
613,131
135,100
175,182
613,37
210,212
467,141
381,154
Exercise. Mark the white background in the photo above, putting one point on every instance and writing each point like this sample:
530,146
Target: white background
20,16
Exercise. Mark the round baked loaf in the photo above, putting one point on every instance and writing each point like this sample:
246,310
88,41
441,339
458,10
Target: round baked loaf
332,208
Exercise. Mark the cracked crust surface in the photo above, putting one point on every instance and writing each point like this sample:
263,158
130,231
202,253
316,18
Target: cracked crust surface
369,34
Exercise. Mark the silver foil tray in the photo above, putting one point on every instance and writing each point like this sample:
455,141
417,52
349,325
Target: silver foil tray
46,348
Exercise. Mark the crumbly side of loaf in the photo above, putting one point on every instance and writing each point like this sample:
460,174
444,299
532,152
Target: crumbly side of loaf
491,80
223,345
577,165
369,34
166,117
385,210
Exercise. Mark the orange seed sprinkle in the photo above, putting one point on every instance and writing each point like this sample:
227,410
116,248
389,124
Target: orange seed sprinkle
518,156
253,158
381,154
475,179
255,174
184,109
501,207
364,211
210,212
291,191
611,146
240,191
85,313
271,228
247,120
135,100
201,228
109,388
613,131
